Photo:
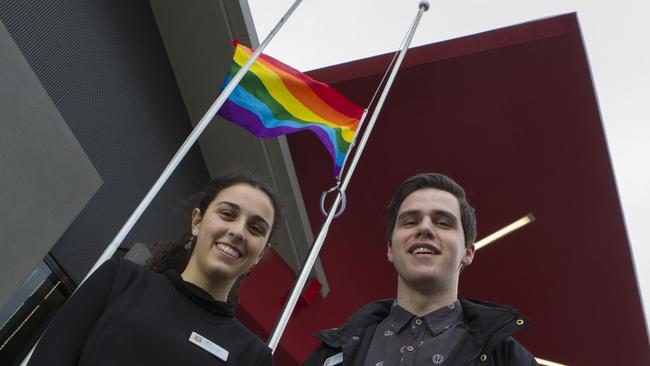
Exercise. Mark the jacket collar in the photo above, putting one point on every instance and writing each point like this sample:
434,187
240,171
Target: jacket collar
370,314
484,319
488,323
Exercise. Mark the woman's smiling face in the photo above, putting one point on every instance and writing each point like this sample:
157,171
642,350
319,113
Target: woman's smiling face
232,233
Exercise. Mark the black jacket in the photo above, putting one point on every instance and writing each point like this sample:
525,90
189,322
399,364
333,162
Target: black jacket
488,341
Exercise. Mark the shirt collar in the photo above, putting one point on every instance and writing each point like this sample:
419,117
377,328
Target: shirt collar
399,317
200,297
438,320
441,319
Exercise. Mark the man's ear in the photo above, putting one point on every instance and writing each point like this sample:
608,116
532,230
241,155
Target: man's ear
469,255
389,254
196,221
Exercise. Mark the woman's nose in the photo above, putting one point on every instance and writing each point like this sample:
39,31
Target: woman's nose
236,230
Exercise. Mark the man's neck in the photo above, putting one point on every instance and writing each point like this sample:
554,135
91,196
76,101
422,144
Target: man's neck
423,301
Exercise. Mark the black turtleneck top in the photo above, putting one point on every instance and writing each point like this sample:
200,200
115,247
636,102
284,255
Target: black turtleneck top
127,315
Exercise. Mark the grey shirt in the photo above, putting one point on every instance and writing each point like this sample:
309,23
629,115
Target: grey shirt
407,340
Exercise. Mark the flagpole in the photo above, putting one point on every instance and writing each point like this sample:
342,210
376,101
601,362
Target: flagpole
182,151
320,239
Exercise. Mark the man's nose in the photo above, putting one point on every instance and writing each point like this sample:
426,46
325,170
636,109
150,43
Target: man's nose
426,228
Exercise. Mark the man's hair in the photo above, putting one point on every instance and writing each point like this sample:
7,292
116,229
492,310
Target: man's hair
441,182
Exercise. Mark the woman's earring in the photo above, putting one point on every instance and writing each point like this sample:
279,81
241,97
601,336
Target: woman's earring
190,244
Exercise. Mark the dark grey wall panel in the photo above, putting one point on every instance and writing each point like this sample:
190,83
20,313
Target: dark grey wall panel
105,68
45,177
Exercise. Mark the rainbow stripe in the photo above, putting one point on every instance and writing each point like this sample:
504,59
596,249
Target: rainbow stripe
273,99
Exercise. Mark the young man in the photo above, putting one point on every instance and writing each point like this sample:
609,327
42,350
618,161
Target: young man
430,234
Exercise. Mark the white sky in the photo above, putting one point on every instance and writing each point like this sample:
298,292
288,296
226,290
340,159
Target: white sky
617,36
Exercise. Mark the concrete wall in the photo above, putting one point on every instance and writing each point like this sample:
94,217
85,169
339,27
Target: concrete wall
105,69
46,178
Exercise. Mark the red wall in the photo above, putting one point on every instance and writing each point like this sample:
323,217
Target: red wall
512,115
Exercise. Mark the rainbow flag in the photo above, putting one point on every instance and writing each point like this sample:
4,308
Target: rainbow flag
273,99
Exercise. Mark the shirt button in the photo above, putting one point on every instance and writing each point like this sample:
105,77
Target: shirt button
483,358
355,338
418,321
410,348
520,322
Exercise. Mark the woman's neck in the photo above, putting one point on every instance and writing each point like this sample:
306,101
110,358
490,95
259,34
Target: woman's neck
219,290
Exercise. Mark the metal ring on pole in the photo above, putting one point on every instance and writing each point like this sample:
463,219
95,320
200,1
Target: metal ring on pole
343,201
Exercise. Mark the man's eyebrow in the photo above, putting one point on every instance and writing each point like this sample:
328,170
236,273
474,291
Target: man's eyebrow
446,214
436,213
408,213
237,207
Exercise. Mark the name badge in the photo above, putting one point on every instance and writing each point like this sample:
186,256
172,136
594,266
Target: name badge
209,346
334,360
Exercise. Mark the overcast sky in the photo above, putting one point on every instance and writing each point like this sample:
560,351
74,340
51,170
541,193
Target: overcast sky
328,32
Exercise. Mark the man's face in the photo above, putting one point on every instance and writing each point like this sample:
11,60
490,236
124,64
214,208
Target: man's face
428,243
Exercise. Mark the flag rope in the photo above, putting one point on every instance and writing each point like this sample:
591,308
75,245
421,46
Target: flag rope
362,120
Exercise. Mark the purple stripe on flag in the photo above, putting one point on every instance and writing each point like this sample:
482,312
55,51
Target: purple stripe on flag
252,122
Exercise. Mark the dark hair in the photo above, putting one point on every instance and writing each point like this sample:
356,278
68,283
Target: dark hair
176,254
438,181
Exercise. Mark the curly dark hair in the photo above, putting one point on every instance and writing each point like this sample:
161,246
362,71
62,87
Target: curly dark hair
170,255
174,255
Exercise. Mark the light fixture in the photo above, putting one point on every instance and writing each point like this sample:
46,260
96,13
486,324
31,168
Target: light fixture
501,233
505,231
544,362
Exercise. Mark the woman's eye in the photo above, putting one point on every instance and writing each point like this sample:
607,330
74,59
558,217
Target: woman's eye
445,224
226,214
256,230
410,223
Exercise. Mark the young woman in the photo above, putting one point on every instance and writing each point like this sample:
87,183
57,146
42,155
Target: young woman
126,314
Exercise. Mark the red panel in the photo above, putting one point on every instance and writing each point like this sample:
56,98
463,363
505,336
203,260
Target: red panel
512,115
261,300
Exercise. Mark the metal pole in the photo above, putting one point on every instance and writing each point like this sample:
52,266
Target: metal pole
180,154
315,249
